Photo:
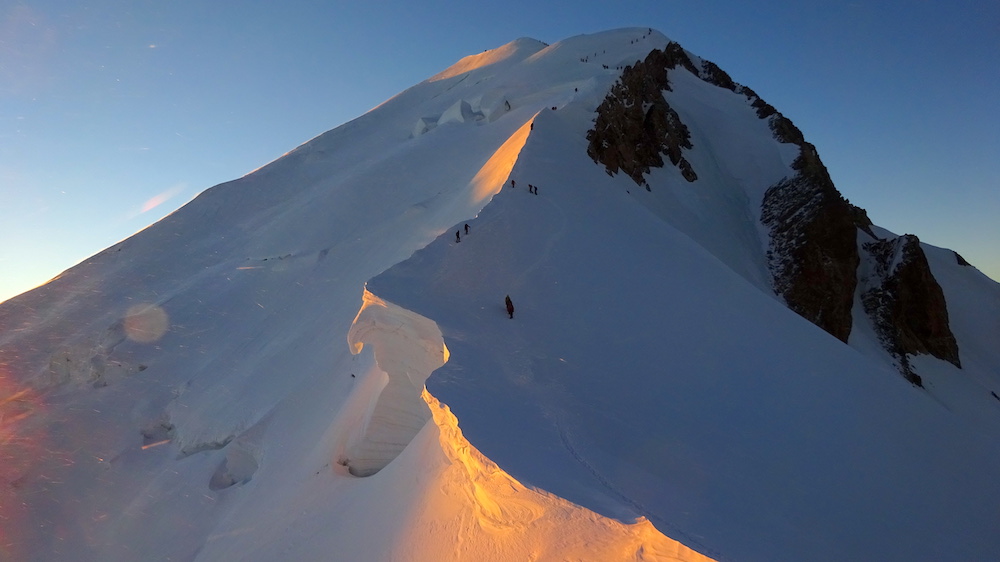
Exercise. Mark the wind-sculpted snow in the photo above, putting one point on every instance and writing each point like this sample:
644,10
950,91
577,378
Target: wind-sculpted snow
509,521
477,500
489,106
407,348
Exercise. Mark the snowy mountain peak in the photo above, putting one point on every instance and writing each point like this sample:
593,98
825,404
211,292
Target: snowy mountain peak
511,53
704,342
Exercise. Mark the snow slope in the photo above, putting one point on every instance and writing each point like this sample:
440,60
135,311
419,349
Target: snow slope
641,376
245,379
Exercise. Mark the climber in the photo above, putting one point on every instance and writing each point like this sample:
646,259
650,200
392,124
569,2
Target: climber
510,307
466,229
457,237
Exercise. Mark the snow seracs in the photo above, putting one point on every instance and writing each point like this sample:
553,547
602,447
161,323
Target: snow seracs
481,503
407,348
488,106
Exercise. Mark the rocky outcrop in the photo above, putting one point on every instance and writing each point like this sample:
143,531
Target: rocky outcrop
711,73
635,125
813,253
813,257
813,248
906,304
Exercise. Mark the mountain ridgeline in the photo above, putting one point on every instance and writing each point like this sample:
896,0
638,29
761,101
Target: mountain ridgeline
813,252
322,358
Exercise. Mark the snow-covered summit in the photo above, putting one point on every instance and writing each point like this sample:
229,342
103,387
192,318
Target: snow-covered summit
315,360
511,53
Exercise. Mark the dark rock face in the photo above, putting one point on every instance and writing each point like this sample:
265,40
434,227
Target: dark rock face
711,73
635,125
814,258
862,221
813,253
906,304
813,249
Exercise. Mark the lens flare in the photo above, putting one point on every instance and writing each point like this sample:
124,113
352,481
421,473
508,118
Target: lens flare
20,450
161,198
146,323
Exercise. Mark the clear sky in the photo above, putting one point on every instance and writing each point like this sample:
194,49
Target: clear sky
115,112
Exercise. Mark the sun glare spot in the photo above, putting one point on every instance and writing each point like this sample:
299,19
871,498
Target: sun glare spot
20,449
145,323
161,198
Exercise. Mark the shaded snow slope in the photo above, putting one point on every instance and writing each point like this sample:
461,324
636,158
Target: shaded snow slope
641,376
192,392
439,498
974,309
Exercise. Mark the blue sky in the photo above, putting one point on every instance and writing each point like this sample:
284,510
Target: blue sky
114,113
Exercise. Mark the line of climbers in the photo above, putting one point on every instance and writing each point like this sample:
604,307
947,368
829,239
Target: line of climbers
632,42
458,238
531,188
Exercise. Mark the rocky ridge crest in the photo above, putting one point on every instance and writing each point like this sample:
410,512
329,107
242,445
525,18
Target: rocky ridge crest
813,251
906,304
635,125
